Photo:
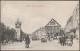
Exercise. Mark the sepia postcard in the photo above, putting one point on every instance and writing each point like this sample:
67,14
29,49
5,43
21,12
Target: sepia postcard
39,25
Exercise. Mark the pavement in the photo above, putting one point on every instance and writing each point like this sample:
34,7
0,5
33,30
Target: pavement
38,45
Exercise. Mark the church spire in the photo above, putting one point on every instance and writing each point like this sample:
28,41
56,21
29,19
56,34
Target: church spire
18,21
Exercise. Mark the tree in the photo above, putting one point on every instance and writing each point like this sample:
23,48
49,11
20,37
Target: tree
6,33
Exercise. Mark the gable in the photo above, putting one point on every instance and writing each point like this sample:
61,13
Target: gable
52,23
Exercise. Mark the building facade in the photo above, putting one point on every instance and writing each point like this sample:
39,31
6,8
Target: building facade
76,20
39,33
69,24
52,29
72,26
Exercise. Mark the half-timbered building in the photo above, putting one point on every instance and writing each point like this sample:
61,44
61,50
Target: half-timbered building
52,28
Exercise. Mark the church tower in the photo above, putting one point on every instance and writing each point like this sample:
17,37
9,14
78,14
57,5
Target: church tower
18,29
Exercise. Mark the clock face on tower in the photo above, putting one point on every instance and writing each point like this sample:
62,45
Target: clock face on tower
17,26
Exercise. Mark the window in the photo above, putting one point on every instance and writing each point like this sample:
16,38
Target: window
56,29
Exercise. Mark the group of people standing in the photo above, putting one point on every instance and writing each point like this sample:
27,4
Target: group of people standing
62,40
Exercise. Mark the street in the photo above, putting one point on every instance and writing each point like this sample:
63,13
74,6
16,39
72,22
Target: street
38,45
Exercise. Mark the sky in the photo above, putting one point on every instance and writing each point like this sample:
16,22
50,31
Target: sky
36,14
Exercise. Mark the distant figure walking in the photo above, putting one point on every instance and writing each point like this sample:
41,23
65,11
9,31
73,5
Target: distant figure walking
60,40
63,41
27,41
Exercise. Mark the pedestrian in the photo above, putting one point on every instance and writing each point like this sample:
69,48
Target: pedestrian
60,40
27,41
63,41
72,38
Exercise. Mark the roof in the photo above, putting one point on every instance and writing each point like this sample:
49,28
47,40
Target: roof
18,21
52,22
